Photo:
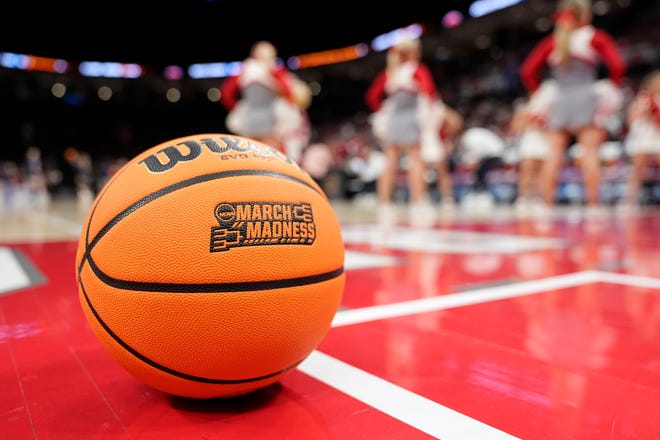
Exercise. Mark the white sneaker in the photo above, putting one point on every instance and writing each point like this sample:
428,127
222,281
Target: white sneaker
626,207
421,215
386,215
485,203
595,212
542,211
522,207
468,203
447,206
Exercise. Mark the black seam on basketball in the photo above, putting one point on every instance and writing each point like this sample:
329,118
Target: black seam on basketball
93,210
168,370
245,286
196,288
86,255
183,184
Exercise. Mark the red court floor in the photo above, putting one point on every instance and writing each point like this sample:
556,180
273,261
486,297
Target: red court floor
476,327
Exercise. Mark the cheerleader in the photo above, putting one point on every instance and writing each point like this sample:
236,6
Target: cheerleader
528,125
261,99
573,53
400,98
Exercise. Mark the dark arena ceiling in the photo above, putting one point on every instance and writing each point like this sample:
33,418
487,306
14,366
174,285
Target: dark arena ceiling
191,31
185,32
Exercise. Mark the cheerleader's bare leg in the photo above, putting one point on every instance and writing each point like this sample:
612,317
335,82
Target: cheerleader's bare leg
387,179
590,139
637,163
557,141
416,182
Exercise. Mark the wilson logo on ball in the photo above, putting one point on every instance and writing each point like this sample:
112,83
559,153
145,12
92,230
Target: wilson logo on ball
236,148
262,223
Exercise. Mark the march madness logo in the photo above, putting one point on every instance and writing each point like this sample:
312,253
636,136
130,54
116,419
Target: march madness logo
262,223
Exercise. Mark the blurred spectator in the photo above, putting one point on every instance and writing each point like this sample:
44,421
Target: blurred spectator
260,99
438,154
365,167
35,181
10,186
66,183
573,52
480,150
85,181
317,160
78,179
643,138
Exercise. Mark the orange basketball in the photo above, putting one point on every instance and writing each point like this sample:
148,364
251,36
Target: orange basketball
210,266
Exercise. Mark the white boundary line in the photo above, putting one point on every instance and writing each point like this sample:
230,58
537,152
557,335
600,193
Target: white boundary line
629,280
411,408
12,275
365,314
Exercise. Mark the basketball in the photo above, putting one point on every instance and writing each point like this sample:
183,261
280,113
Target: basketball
210,266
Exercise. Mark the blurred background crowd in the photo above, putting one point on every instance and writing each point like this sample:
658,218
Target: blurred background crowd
65,134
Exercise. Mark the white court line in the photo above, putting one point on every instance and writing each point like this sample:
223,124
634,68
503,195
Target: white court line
354,260
417,411
629,280
447,240
411,408
365,314
12,275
